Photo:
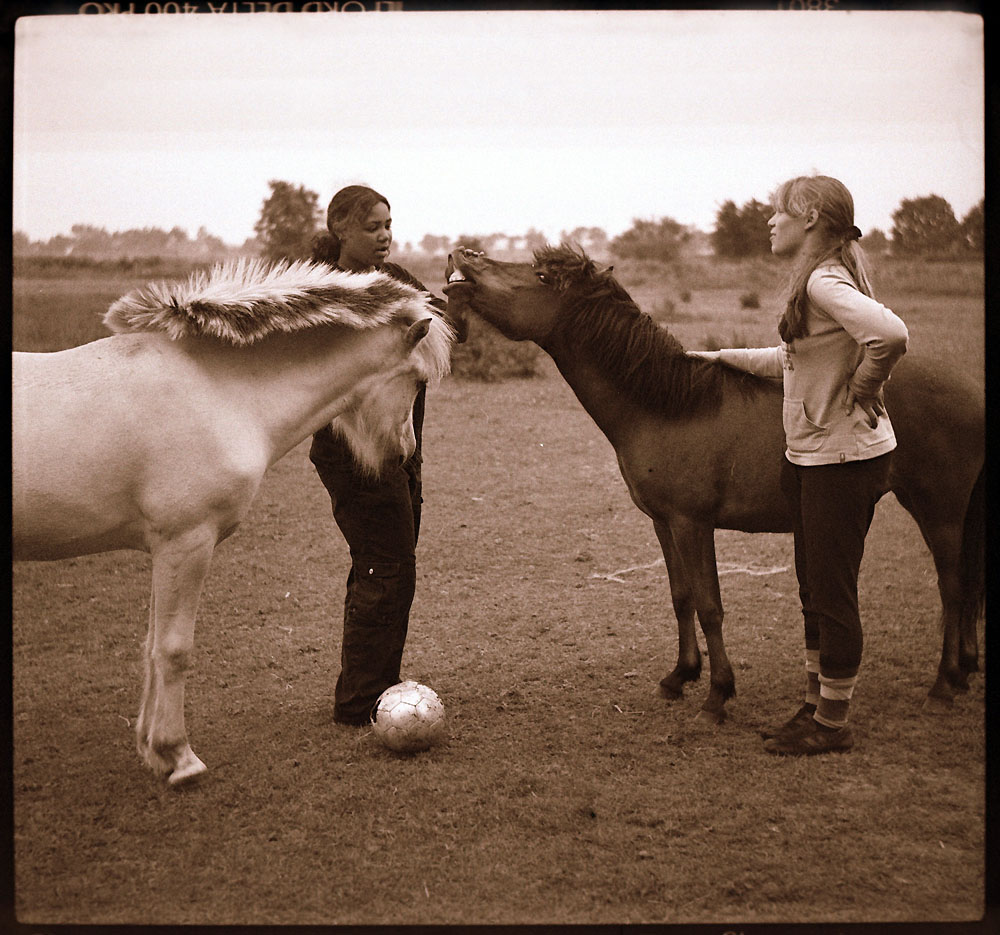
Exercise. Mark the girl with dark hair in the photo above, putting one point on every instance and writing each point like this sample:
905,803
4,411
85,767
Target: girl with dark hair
379,518
838,347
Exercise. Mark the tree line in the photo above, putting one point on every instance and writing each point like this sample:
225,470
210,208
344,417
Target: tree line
921,227
96,243
291,216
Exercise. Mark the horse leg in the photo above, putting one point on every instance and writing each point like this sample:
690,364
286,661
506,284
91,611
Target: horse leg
973,587
147,703
179,570
944,539
694,543
688,668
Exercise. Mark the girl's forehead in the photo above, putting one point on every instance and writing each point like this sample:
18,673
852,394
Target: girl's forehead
378,213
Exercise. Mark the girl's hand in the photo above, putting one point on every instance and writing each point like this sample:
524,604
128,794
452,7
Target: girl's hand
873,406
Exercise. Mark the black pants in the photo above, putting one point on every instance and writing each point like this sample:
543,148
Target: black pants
833,506
380,519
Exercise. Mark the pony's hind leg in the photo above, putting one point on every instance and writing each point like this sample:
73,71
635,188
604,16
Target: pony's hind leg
688,667
973,587
179,569
944,539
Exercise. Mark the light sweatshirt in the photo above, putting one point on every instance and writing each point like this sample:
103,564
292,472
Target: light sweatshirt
851,341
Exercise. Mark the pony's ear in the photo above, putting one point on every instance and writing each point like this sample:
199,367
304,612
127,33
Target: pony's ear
418,331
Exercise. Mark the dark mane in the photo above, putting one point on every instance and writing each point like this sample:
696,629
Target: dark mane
645,361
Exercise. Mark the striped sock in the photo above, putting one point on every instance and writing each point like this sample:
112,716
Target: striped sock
812,676
834,700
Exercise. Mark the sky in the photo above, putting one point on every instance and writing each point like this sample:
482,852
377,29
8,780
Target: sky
488,122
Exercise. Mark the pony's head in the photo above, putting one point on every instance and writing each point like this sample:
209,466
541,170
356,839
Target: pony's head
523,300
378,423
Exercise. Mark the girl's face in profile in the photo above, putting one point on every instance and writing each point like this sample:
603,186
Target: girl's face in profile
365,244
788,233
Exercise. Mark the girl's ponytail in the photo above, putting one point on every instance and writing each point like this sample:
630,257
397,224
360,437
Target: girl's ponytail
326,248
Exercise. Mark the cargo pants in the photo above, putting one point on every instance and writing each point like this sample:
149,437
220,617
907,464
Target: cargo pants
380,519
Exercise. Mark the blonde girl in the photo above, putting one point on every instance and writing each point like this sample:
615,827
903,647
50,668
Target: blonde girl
838,347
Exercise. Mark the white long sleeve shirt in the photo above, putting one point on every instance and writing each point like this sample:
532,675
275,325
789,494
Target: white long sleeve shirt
851,341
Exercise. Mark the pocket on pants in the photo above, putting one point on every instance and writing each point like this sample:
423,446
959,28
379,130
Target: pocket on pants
375,592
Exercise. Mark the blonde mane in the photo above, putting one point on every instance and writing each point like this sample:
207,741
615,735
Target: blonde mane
243,301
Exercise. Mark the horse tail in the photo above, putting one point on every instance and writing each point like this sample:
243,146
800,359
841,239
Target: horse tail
973,559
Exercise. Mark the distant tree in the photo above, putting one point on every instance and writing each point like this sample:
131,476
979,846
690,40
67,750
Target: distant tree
435,244
60,245
289,219
973,229
470,242
21,244
598,240
589,239
209,241
579,236
534,239
757,234
925,226
741,232
90,241
492,241
649,240
875,242
726,236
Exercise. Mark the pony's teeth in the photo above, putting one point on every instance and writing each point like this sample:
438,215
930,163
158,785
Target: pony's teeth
456,277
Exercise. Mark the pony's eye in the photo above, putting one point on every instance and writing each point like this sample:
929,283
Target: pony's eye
543,279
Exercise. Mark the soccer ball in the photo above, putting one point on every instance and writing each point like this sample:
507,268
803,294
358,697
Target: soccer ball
409,717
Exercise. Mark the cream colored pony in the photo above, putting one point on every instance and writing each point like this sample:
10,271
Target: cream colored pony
157,437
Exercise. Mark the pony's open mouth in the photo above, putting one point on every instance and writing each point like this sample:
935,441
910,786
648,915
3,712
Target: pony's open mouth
452,272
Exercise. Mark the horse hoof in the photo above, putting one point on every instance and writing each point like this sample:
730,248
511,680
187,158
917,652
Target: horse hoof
188,768
709,718
935,704
671,694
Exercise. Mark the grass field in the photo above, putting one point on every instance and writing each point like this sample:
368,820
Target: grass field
568,791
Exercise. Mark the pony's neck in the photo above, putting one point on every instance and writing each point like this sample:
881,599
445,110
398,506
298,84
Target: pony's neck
612,410
299,382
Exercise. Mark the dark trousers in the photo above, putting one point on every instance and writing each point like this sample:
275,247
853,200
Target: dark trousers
380,519
833,506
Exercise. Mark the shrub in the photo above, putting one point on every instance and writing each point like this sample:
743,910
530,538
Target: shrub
712,342
489,357
750,300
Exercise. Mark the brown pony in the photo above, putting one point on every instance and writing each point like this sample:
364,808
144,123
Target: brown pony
700,446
